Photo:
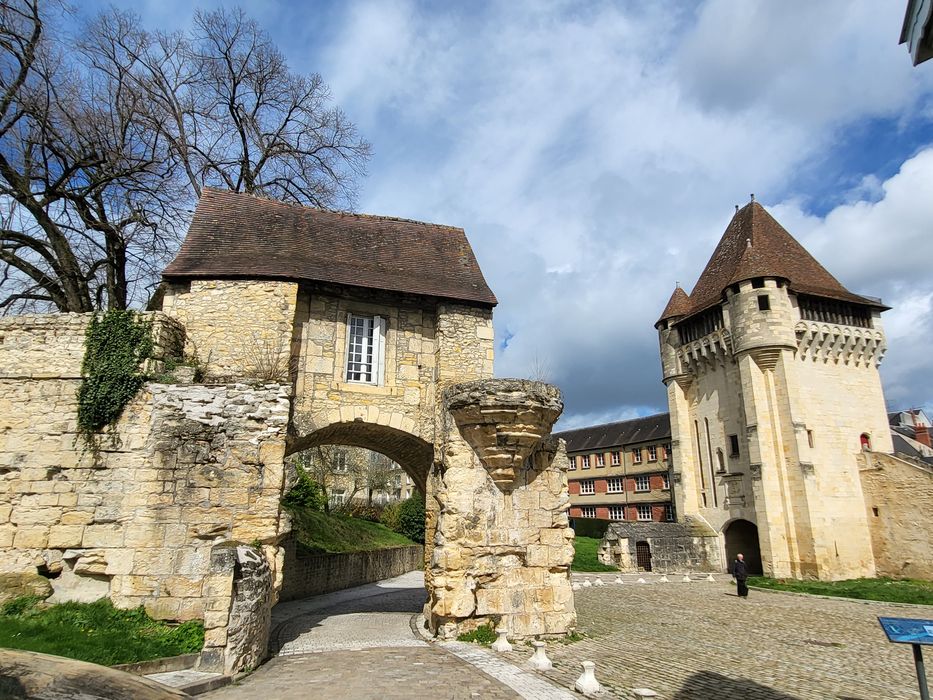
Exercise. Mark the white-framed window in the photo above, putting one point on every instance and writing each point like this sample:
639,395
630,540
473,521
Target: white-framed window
365,349
667,450
644,512
636,456
600,460
587,487
642,483
341,463
586,461
668,512
652,453
573,462
615,484
588,512
666,482
338,496
617,512
615,459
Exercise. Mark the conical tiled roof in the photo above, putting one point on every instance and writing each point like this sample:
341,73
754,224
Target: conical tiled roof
756,245
678,305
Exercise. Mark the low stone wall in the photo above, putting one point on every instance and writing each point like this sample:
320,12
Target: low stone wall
311,574
687,546
899,501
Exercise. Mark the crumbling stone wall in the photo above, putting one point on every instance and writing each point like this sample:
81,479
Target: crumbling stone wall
686,546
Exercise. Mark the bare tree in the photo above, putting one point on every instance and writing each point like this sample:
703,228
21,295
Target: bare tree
106,141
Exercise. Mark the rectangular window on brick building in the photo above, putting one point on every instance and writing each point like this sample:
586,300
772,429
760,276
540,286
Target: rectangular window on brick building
644,512
616,459
667,451
586,461
615,484
636,456
573,462
600,460
587,487
665,482
617,512
733,445
652,453
642,483
588,512
668,512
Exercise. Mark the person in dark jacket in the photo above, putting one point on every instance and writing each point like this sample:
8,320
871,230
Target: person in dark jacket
740,574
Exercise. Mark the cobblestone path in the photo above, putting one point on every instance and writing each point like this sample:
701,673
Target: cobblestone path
698,641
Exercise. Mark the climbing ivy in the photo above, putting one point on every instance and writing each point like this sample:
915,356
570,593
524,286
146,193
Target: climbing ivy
117,343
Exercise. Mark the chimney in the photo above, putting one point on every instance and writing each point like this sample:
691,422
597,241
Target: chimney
922,433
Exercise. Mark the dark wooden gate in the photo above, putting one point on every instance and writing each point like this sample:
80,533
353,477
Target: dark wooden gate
643,555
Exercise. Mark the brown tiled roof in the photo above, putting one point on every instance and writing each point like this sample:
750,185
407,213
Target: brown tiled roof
619,434
678,305
234,235
756,245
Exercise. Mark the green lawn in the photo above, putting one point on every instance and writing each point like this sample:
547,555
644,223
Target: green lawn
320,532
884,589
96,632
584,555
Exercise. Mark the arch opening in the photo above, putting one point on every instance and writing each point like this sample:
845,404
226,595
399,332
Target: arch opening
742,537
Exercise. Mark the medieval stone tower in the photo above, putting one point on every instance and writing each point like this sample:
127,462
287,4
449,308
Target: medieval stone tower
771,368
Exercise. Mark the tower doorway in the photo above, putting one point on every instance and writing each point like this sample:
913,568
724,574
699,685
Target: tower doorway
742,537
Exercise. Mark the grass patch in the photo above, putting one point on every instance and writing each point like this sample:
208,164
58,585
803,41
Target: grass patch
322,533
883,589
96,632
584,555
484,634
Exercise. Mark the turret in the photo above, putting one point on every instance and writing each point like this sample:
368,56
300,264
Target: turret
677,307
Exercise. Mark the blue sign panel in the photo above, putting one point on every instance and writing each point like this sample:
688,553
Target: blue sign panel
907,630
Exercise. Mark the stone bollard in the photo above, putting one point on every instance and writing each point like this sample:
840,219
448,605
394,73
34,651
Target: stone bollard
587,584
599,582
619,580
587,683
539,660
663,579
502,643
644,693
710,578
576,586
641,580
686,578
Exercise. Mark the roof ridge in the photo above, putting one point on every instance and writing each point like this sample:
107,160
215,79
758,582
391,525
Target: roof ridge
615,422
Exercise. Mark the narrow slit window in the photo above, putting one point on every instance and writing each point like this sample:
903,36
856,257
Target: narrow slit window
764,303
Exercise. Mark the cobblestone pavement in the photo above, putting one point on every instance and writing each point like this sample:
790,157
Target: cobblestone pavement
698,641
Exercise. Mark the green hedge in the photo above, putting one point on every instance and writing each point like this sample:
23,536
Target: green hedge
590,527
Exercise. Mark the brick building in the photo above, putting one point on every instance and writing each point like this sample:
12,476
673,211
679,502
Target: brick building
621,471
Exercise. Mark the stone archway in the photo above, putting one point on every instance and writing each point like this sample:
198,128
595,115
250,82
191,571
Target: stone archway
741,536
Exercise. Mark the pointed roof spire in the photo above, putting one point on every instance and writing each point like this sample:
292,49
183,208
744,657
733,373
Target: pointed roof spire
756,245
678,305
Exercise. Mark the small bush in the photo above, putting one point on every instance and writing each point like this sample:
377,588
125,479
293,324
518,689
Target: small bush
390,515
484,634
306,494
411,518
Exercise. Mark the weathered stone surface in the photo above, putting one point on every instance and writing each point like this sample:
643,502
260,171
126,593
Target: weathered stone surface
19,584
247,634
686,546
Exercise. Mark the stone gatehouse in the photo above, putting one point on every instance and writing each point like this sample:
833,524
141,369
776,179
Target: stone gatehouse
309,328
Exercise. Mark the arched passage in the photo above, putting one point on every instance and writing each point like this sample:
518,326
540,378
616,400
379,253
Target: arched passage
742,537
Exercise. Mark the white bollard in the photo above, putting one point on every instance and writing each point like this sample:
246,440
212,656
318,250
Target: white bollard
599,582
686,578
502,643
641,580
710,578
587,683
539,660
587,584
619,580
576,586
663,578
644,693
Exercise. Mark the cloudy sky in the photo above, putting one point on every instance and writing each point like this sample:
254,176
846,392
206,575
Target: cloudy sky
594,153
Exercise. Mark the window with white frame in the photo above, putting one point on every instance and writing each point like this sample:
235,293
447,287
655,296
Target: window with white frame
644,512
652,453
617,512
615,484
668,512
615,459
642,483
573,462
600,460
665,482
588,512
587,487
366,349
636,456
338,496
586,461
340,464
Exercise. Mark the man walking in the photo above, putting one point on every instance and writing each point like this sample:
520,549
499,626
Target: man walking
740,574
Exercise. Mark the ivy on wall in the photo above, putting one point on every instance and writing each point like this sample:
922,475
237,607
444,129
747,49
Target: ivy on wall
117,344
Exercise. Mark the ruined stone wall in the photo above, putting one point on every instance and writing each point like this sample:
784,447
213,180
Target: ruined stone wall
899,508
236,328
305,575
675,547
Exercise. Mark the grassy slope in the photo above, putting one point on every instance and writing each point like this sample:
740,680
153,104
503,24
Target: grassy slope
584,555
95,632
338,533
884,589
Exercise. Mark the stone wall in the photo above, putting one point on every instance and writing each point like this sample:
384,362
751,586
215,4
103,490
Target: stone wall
305,575
899,508
675,547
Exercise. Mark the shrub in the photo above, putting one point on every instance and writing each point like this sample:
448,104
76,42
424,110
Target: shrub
306,494
390,515
411,518
484,634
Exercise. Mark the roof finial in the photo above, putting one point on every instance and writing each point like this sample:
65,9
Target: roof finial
736,208
677,284
748,242
753,196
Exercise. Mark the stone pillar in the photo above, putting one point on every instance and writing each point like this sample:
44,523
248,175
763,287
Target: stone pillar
503,546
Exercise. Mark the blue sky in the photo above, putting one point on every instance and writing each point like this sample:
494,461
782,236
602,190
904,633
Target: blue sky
594,151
